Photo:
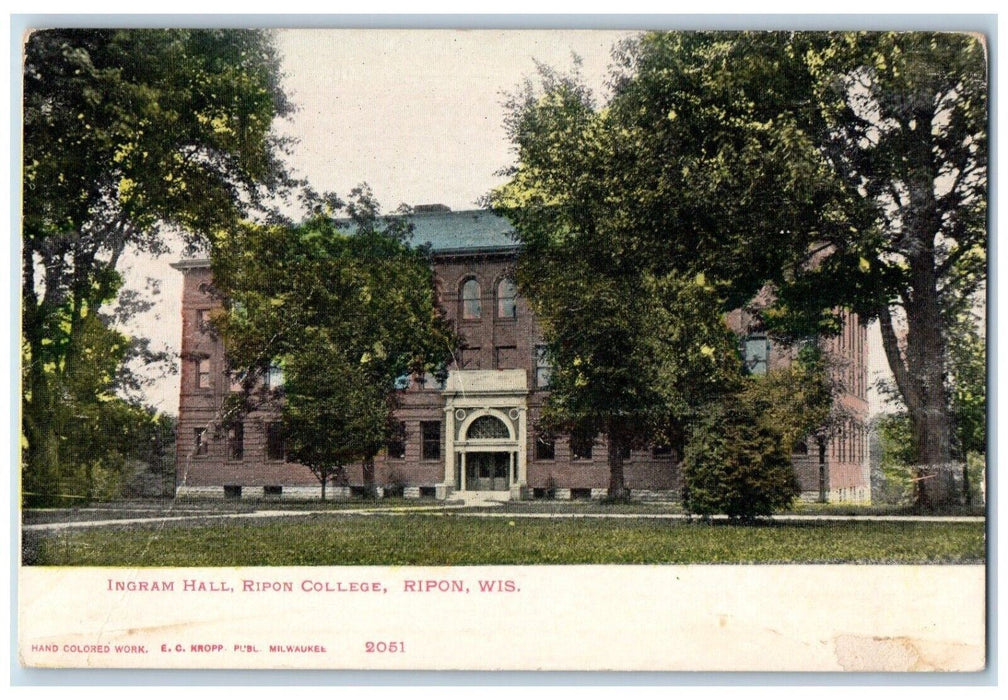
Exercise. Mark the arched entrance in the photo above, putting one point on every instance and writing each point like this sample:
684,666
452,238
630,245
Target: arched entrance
488,471
487,468
485,436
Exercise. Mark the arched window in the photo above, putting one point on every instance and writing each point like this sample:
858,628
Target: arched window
471,307
506,294
487,428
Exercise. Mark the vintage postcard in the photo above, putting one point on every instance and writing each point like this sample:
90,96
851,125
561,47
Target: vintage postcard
499,349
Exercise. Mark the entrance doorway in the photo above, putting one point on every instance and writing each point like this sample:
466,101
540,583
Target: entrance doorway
487,471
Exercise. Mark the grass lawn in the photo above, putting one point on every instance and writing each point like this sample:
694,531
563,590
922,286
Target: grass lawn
415,539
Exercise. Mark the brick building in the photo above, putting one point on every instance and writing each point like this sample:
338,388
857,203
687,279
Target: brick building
476,432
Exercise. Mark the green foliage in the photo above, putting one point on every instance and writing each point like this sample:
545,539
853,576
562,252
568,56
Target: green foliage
133,127
905,132
126,133
833,170
345,307
896,459
697,185
738,455
897,468
976,475
103,439
966,364
795,400
736,462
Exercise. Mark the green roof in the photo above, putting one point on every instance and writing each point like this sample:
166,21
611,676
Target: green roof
461,231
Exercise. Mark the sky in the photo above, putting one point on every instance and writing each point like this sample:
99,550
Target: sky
418,115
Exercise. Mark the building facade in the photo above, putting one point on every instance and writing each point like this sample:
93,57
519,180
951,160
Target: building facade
477,430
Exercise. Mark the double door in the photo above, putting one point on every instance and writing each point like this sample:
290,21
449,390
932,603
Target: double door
487,471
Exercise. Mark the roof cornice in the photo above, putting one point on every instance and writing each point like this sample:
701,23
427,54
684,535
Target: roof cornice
191,264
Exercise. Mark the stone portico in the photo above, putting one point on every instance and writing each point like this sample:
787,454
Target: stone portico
486,431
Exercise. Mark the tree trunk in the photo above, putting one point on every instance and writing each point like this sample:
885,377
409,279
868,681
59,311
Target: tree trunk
617,485
920,374
324,479
926,360
369,475
40,470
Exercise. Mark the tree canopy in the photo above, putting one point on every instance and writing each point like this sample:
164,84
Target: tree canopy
345,307
796,173
905,117
642,222
127,134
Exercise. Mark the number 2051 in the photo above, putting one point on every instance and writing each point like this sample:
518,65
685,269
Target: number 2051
384,647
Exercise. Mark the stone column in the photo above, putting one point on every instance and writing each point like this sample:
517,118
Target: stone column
523,446
519,486
449,470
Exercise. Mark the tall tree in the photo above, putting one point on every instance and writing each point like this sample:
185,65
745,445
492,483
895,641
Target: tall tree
905,128
679,199
105,437
831,170
127,134
345,307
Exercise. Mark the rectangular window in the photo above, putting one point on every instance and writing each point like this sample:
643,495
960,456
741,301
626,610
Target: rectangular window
200,445
507,357
203,320
545,448
470,358
581,448
430,434
274,441
397,443
274,378
543,367
203,373
506,300
756,353
236,442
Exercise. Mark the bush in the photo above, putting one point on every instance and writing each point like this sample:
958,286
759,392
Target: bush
736,463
